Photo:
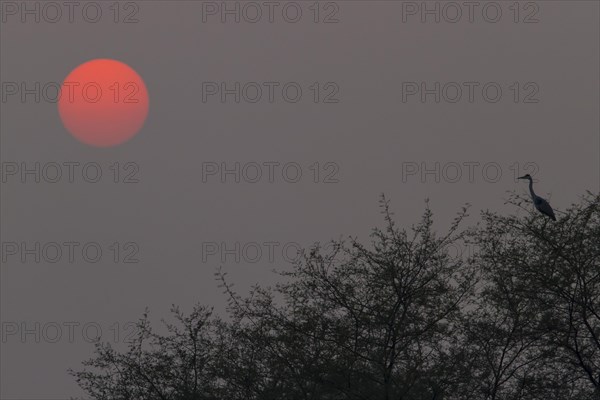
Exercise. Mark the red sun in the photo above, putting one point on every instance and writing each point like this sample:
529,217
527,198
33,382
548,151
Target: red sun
103,102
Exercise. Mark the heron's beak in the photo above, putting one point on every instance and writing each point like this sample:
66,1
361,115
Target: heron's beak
521,177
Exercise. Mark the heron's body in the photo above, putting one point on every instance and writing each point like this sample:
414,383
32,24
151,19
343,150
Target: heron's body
540,203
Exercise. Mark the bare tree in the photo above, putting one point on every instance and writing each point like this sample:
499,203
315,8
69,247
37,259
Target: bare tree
536,326
396,318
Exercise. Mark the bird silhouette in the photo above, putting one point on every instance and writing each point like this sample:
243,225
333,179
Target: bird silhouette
540,203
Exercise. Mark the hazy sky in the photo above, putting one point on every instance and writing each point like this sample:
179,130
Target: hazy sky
367,122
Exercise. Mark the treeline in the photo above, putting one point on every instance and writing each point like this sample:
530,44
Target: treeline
398,318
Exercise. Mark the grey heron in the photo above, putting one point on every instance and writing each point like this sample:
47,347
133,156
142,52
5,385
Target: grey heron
541,204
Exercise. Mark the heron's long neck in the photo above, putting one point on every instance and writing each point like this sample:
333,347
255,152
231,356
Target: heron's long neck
531,188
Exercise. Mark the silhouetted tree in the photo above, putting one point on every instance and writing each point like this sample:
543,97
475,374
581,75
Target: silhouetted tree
535,330
179,365
397,318
364,322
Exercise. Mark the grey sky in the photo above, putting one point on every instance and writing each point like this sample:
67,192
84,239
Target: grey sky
370,141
